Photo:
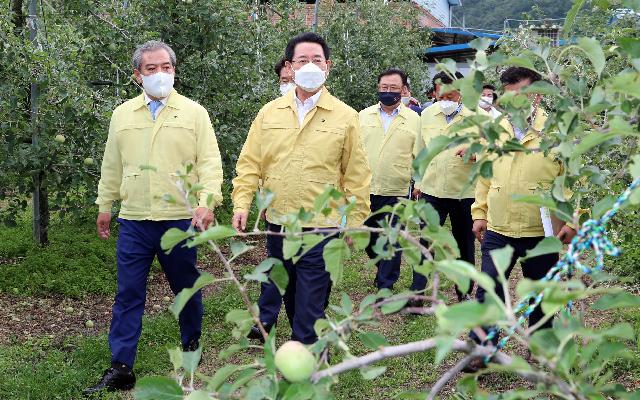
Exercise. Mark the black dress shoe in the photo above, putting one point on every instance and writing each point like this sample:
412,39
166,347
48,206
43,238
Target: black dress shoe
255,333
193,345
118,377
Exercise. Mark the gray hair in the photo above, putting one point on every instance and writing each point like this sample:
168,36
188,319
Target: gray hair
151,45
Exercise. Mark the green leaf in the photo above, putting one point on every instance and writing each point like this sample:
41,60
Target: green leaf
346,304
480,43
594,51
299,391
360,239
469,314
190,360
630,45
424,158
279,276
571,16
172,237
502,259
222,375
238,248
369,373
334,254
175,355
157,388
634,168
520,62
198,395
616,300
548,245
393,306
185,294
373,340
601,207
290,247
215,232
264,198
623,330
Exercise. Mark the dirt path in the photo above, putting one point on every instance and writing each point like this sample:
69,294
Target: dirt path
57,317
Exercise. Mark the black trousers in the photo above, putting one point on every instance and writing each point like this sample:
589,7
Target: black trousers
459,211
388,270
307,294
534,268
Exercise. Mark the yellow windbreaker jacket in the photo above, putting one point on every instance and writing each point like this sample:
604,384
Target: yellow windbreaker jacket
296,162
390,154
143,157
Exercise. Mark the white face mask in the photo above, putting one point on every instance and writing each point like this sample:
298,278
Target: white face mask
286,87
485,101
405,100
158,85
310,77
448,107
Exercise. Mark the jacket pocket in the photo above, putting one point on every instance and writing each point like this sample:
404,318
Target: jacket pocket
497,206
132,190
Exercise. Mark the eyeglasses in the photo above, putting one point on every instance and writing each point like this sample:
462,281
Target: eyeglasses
305,61
390,88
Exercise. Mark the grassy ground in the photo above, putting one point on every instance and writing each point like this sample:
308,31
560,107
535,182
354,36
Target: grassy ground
53,363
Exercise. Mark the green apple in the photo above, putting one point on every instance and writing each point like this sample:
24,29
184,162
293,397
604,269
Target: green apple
68,310
166,299
89,324
112,47
88,161
156,307
295,361
59,138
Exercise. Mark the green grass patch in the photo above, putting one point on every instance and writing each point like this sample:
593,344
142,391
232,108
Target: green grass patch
74,263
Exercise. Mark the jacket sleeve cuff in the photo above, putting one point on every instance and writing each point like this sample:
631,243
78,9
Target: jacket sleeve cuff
105,207
478,214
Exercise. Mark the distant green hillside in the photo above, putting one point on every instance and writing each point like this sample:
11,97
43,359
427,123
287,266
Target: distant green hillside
490,14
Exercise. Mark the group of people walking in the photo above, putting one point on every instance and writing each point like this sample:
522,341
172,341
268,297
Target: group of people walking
297,145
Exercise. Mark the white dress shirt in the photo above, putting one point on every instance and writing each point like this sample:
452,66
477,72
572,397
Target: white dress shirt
388,118
306,106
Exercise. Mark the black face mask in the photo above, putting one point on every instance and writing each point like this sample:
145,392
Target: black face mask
389,98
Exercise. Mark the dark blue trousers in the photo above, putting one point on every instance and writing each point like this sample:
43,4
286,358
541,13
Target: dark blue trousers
138,244
534,268
388,270
307,294
459,212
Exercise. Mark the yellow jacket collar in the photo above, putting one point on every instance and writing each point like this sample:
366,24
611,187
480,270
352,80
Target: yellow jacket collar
325,101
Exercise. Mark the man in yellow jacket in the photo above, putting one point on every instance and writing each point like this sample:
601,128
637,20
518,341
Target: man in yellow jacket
297,145
391,133
153,139
445,184
498,219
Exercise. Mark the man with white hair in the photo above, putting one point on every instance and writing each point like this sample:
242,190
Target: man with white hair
153,140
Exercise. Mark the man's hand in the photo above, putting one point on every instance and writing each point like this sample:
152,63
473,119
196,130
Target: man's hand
103,222
566,234
479,228
202,218
415,195
462,151
240,221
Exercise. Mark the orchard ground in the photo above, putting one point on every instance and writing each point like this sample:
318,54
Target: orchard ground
47,350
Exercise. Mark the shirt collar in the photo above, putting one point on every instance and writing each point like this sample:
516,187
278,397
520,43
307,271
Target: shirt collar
310,102
395,111
148,100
